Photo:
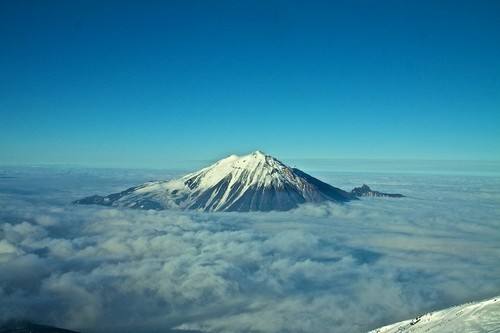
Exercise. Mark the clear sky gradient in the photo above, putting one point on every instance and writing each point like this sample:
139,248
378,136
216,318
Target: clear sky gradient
149,83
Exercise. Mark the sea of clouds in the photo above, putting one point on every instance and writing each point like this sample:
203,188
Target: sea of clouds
319,268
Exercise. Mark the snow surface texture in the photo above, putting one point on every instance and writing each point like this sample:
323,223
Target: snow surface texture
476,317
352,267
254,182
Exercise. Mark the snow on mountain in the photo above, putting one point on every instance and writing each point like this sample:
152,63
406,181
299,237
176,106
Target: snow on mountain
254,182
475,317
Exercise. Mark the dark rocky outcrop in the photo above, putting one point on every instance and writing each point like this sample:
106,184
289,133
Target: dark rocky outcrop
366,191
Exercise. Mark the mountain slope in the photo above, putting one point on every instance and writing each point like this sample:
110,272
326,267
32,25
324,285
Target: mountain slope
254,182
23,326
476,317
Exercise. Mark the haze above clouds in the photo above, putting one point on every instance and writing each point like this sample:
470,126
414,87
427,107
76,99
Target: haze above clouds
350,267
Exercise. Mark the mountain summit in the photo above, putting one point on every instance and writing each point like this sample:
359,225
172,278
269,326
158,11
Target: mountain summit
254,182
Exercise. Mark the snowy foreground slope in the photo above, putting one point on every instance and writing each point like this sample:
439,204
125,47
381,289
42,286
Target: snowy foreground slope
254,182
476,317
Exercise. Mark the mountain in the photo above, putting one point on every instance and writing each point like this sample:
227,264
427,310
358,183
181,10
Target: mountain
24,326
254,182
470,317
366,191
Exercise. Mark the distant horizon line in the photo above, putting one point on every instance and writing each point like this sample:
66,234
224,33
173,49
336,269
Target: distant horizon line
287,159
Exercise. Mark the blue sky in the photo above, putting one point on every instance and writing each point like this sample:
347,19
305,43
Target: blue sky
151,83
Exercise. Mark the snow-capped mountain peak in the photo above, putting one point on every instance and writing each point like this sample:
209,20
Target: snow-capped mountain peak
255,169
253,182
243,182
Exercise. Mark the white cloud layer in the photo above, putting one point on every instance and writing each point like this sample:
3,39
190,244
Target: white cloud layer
326,268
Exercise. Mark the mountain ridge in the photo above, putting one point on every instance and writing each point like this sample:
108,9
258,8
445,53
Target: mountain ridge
482,316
